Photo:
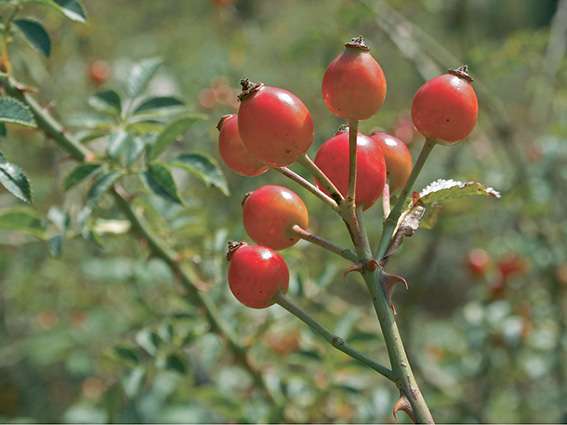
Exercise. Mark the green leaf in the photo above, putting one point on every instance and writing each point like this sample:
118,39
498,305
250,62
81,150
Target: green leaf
3,131
158,102
101,185
175,363
203,167
133,382
117,142
148,340
25,220
160,181
447,190
127,353
79,173
35,34
107,101
72,9
15,112
171,132
141,75
14,180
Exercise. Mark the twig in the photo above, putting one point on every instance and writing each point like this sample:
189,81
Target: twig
307,185
332,339
347,254
322,179
54,130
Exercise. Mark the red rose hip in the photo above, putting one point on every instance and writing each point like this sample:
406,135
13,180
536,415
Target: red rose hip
446,108
233,152
274,124
354,86
269,214
333,159
398,159
478,262
256,274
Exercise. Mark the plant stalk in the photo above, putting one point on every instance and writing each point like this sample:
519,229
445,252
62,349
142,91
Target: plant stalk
306,235
332,339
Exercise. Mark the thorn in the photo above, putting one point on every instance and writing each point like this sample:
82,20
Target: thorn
404,405
389,282
370,265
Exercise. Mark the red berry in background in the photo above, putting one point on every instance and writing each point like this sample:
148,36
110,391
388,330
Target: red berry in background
354,86
256,274
99,72
269,214
233,152
333,159
398,159
512,265
275,125
404,129
478,262
445,108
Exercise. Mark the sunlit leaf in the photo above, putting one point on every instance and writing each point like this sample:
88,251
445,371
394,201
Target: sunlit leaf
14,180
72,9
15,112
141,75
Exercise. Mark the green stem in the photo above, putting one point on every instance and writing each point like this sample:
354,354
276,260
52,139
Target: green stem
321,177
352,136
307,185
306,235
392,220
332,339
52,128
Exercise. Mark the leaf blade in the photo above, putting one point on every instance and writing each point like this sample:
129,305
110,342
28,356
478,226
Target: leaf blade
35,34
158,102
205,168
160,181
14,180
141,75
171,132
79,173
13,111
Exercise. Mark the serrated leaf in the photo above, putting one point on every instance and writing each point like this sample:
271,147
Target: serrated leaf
15,112
35,34
171,132
433,195
158,102
79,173
446,190
160,181
203,167
14,180
101,185
141,75
72,9
24,220
107,101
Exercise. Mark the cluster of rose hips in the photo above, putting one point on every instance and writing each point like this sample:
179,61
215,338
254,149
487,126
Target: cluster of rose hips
273,129
479,262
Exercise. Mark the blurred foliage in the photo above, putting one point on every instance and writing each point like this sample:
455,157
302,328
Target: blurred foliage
101,333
